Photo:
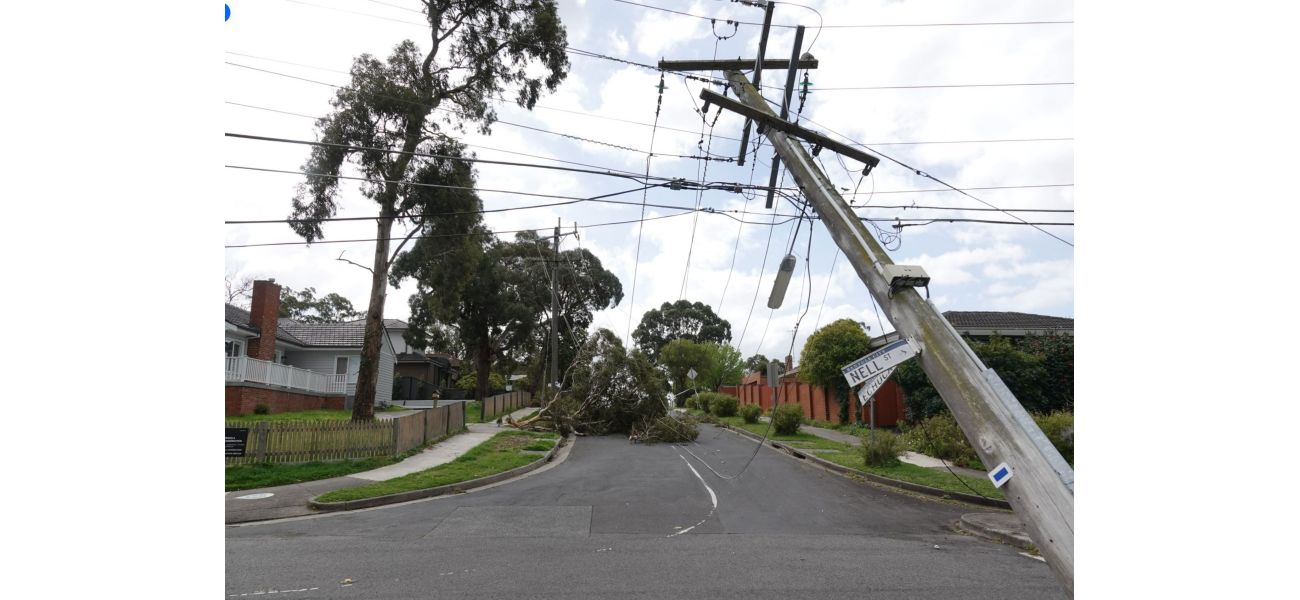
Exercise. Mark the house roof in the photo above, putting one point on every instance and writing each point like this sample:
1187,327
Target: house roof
1006,321
332,335
242,318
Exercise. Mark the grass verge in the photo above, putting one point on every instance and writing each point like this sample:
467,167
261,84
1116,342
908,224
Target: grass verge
851,457
305,415
260,475
473,412
502,452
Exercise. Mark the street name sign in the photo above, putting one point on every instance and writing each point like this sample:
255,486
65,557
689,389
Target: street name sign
869,388
871,365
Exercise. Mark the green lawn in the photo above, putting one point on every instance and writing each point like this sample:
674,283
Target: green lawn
305,415
504,451
245,477
851,457
473,412
935,478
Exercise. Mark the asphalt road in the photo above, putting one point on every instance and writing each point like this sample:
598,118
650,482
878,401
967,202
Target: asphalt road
640,521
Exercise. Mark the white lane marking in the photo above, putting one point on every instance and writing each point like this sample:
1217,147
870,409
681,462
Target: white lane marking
257,496
1037,558
261,593
713,498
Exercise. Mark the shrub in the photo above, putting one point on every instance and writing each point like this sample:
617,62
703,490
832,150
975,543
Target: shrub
940,437
787,418
702,402
723,405
1059,429
261,409
750,413
693,403
470,382
881,448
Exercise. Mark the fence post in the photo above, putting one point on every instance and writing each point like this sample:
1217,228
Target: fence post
261,429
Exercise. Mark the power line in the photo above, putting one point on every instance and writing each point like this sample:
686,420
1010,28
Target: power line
573,200
629,121
946,184
459,114
863,26
447,235
940,86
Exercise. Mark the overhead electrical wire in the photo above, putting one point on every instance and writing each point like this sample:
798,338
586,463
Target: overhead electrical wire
864,26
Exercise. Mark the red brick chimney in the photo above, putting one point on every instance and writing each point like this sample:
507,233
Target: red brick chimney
789,363
265,317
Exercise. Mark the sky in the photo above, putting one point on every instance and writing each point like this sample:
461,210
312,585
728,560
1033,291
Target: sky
958,135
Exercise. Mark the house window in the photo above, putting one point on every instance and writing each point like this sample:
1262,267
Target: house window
343,366
234,348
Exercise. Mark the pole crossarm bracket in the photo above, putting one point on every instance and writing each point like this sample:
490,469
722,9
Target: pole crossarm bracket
767,120
735,64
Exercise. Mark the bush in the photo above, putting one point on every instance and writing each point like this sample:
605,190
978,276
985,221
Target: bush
1059,428
702,402
750,413
261,409
787,418
470,382
881,448
940,437
722,405
693,403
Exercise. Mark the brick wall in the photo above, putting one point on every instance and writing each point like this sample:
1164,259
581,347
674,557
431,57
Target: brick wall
819,403
242,399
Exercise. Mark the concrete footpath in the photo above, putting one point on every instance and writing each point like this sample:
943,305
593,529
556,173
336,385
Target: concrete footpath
1003,527
292,500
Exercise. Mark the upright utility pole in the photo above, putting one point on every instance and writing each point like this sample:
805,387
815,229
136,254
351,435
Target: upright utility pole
1041,491
555,311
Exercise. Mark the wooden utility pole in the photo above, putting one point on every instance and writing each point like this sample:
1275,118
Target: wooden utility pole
555,311
1041,491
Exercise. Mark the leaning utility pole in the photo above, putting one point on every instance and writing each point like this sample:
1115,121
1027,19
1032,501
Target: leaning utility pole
555,311
1042,490
1040,487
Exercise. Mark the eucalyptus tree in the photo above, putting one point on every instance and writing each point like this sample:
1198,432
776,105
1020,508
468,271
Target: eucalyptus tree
383,130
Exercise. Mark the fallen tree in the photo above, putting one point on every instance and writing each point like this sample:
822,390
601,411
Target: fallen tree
612,391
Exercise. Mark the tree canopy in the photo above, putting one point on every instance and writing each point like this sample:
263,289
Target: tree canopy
683,319
756,364
303,306
827,351
1039,371
678,357
381,128
724,367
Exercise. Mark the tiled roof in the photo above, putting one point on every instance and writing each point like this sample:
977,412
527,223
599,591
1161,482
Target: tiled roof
243,318
326,334
388,323
1006,321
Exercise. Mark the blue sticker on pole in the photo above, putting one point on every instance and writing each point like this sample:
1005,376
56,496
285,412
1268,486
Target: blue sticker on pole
227,12
1000,474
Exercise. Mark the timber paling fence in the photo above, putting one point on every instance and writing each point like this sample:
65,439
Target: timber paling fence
305,441
506,403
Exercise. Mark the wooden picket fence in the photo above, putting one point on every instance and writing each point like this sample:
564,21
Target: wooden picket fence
305,441
501,404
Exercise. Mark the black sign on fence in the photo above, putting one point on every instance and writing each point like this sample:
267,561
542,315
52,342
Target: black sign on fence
236,441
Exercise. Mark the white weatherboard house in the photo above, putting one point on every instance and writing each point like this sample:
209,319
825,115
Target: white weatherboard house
306,360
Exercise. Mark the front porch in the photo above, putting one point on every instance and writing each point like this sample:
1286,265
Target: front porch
240,369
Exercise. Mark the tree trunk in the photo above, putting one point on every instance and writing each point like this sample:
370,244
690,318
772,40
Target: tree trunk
483,365
363,404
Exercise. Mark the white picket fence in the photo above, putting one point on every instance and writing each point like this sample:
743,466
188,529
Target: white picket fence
243,368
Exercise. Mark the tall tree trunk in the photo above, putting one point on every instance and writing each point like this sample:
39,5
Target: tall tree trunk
483,364
363,403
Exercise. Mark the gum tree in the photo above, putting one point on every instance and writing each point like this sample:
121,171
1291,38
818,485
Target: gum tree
383,123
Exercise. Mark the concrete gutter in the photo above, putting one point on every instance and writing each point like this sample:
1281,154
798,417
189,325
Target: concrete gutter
451,488
843,470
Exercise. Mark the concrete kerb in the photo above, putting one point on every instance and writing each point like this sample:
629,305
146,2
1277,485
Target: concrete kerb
451,488
843,470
